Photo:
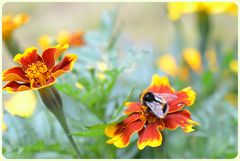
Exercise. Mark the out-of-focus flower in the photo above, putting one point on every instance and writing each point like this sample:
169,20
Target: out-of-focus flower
193,59
37,71
232,98
177,9
45,41
10,23
17,104
233,65
168,64
74,39
101,67
212,60
141,119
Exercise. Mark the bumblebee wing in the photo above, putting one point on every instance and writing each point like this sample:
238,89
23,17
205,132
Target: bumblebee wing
167,96
156,108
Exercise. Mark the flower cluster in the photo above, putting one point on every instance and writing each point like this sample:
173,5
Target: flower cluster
142,120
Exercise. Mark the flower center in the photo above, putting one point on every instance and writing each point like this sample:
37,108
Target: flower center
38,73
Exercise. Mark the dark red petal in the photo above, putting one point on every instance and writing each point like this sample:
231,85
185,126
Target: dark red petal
29,56
65,65
16,87
14,74
50,55
180,118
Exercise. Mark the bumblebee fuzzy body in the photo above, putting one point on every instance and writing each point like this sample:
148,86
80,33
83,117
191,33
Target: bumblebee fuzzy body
157,102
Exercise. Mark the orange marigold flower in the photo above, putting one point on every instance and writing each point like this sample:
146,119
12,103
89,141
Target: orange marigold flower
37,71
142,119
73,39
10,23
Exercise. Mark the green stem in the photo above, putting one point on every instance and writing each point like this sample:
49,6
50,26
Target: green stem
12,46
52,100
62,120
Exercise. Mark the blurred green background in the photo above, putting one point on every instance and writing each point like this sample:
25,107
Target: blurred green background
126,43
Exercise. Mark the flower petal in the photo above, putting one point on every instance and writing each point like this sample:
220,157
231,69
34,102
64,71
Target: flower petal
50,55
65,65
17,104
185,97
29,56
15,74
122,139
182,119
133,107
49,82
149,136
16,87
114,129
160,85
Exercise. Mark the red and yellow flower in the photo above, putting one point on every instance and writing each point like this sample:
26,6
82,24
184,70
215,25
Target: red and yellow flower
10,23
74,39
146,124
37,71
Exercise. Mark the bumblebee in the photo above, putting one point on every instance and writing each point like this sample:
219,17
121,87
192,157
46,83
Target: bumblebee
157,102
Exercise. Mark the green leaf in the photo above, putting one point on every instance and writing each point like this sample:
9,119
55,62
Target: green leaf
91,131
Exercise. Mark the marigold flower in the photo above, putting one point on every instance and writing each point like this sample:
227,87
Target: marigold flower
168,65
193,59
233,65
10,23
142,120
17,104
45,41
37,71
177,9
74,39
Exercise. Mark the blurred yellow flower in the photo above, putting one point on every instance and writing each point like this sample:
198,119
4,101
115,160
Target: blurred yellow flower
193,59
212,60
45,41
22,104
177,9
219,7
168,65
232,98
233,65
10,23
